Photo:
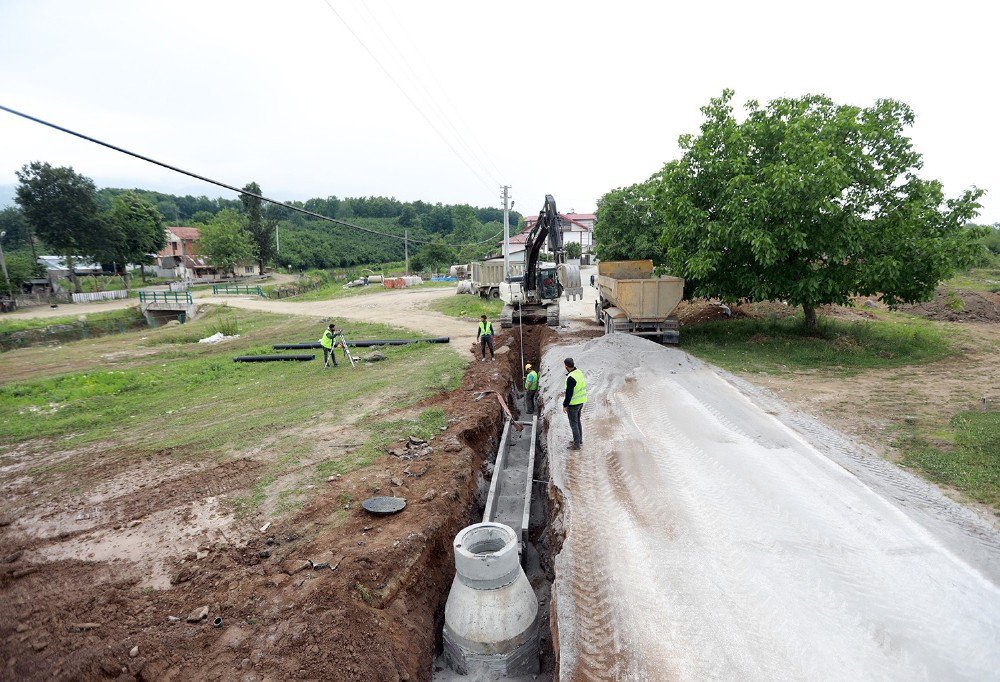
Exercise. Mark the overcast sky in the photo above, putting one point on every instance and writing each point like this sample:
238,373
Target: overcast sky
567,98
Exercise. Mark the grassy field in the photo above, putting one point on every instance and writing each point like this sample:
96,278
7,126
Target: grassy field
781,346
336,290
468,307
159,390
977,279
966,455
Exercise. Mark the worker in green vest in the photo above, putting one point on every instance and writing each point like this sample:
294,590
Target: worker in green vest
327,341
576,397
485,337
530,388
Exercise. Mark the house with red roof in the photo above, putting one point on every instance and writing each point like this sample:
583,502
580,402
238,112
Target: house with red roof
576,227
180,259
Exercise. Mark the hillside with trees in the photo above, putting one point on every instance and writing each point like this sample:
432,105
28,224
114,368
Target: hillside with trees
60,211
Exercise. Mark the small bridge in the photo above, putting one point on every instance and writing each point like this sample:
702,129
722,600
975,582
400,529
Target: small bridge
159,307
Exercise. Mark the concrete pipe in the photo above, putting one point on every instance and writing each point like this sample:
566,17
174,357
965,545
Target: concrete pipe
491,618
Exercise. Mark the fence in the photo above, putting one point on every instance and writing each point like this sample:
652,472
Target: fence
176,297
100,296
237,290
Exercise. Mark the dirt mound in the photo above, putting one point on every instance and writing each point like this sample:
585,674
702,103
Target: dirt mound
330,593
958,305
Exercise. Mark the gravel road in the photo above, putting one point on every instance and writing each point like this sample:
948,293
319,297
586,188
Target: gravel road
712,532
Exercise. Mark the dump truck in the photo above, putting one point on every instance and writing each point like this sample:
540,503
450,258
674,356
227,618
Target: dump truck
631,300
488,275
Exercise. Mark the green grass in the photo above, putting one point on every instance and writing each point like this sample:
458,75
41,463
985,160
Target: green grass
192,398
977,279
468,307
779,346
337,290
966,456
23,324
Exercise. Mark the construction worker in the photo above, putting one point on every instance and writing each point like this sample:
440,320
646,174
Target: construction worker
530,388
576,397
327,341
485,337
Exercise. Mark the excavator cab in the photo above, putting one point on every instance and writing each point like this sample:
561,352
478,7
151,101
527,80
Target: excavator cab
548,284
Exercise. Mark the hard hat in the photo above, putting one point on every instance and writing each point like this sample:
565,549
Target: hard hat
528,366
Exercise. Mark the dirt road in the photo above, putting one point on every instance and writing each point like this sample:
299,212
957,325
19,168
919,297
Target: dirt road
399,307
713,532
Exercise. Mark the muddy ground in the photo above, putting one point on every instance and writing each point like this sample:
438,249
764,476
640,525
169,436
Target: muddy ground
125,578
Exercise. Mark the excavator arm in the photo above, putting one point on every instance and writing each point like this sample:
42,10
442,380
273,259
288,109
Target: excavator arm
545,228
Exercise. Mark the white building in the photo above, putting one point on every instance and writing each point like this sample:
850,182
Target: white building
576,227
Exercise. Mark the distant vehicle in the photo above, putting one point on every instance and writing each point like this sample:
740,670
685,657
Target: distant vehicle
487,276
632,301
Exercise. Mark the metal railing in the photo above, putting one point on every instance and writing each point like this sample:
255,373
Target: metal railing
236,289
175,297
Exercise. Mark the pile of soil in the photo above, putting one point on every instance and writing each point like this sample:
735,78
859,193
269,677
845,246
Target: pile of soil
958,305
333,592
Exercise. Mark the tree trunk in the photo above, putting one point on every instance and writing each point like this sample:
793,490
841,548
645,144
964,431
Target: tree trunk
810,316
72,273
142,272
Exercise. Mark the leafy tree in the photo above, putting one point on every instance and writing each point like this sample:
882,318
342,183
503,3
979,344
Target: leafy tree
226,243
202,217
259,226
810,202
408,217
574,250
434,254
139,231
18,231
21,266
627,225
61,207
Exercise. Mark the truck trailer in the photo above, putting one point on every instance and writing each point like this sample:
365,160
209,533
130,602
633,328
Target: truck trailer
631,300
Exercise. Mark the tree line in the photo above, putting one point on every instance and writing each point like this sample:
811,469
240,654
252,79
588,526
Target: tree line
803,200
61,211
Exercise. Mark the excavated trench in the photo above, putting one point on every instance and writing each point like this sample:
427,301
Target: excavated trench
542,540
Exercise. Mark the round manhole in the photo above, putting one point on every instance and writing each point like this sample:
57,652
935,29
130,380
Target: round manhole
384,505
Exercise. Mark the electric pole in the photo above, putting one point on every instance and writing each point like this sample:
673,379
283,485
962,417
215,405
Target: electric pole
506,235
3,263
406,250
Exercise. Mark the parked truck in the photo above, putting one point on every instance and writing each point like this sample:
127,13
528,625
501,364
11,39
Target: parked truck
487,276
631,300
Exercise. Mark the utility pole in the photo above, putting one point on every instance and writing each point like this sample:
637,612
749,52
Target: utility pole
277,240
406,250
506,235
3,263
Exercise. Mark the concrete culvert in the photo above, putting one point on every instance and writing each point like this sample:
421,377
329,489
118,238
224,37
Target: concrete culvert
491,618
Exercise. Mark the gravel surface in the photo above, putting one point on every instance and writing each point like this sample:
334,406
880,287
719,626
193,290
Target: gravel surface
714,532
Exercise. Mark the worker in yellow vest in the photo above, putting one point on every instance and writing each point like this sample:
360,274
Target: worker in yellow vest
576,398
327,341
530,388
485,337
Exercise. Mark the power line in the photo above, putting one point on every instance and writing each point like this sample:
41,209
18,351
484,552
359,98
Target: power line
407,96
444,91
441,112
219,183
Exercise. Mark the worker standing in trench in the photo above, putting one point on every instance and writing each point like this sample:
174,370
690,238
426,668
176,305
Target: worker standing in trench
485,337
530,388
327,341
576,397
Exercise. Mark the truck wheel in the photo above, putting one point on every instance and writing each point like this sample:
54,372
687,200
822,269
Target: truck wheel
494,293
597,311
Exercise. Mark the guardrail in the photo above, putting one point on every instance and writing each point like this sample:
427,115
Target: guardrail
236,289
100,296
175,297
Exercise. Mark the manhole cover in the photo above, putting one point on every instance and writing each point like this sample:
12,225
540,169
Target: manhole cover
384,505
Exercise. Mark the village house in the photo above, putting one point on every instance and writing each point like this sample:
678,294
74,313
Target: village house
576,227
179,259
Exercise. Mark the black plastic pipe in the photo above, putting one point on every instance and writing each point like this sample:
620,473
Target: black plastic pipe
272,358
363,343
